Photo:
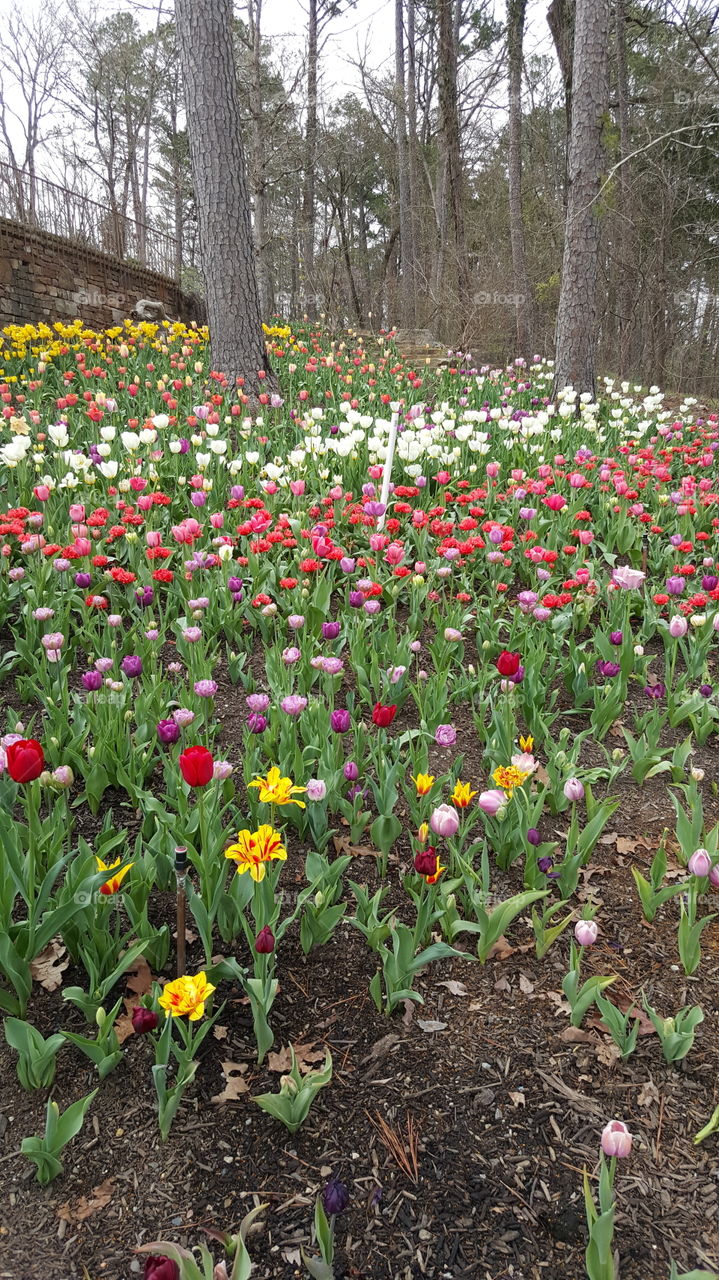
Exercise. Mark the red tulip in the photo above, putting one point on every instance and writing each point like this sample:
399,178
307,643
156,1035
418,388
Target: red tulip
25,760
508,663
157,1268
383,716
196,766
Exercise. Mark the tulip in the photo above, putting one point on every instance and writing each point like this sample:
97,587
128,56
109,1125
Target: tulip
340,720
444,822
492,802
616,1140
383,716
294,704
265,941
425,861
258,702
678,627
330,630
91,681
574,789
25,760
196,766
132,665
335,1197
168,732
256,723
316,789
700,863
507,663
533,836
586,932
157,1268
445,735
351,772
143,1020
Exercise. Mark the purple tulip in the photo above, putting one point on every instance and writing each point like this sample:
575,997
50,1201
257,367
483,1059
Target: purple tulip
445,735
616,637
340,721
330,630
675,586
533,836
545,864
91,681
83,580
351,771
655,691
168,732
256,723
606,668
234,584
356,599
132,665
335,1197
205,688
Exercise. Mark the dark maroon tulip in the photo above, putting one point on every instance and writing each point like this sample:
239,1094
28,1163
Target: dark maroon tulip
335,1197
143,1020
265,941
425,861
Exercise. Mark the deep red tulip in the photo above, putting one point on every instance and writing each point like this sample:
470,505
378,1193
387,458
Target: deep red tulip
383,716
265,941
157,1268
25,760
196,766
507,663
143,1020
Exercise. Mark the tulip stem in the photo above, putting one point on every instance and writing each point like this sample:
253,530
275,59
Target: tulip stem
180,869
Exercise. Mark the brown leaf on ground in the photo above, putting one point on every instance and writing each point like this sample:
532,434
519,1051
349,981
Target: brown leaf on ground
575,1035
627,845
608,1053
343,844
220,1033
48,967
235,1083
123,1024
138,977
501,950
307,1055
455,988
408,1014
430,1024
648,1094
87,1207
525,985
518,1099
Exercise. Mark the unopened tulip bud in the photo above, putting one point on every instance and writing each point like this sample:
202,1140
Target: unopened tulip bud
265,941
574,789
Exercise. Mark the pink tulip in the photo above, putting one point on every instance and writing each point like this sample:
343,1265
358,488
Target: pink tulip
444,822
586,932
616,1139
678,627
490,802
700,863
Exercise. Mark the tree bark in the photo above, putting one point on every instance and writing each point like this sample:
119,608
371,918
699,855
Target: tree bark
308,186
576,339
413,159
624,256
561,17
258,169
204,30
523,298
408,290
449,117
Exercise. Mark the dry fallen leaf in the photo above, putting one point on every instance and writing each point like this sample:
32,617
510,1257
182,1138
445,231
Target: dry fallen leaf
86,1208
518,1099
501,950
502,985
138,977
608,1053
235,1084
609,837
307,1055
541,776
220,1033
525,985
648,1094
343,844
123,1024
430,1024
575,1035
408,1014
626,845
48,967
455,988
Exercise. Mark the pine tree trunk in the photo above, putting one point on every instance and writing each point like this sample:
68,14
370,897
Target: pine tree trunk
576,340
204,30
523,301
454,181
624,255
413,159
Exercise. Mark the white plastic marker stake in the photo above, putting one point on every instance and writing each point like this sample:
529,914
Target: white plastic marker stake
387,473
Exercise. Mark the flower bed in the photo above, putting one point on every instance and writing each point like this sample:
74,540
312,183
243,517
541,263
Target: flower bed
431,783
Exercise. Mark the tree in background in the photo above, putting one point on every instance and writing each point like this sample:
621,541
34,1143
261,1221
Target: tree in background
576,342
204,31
